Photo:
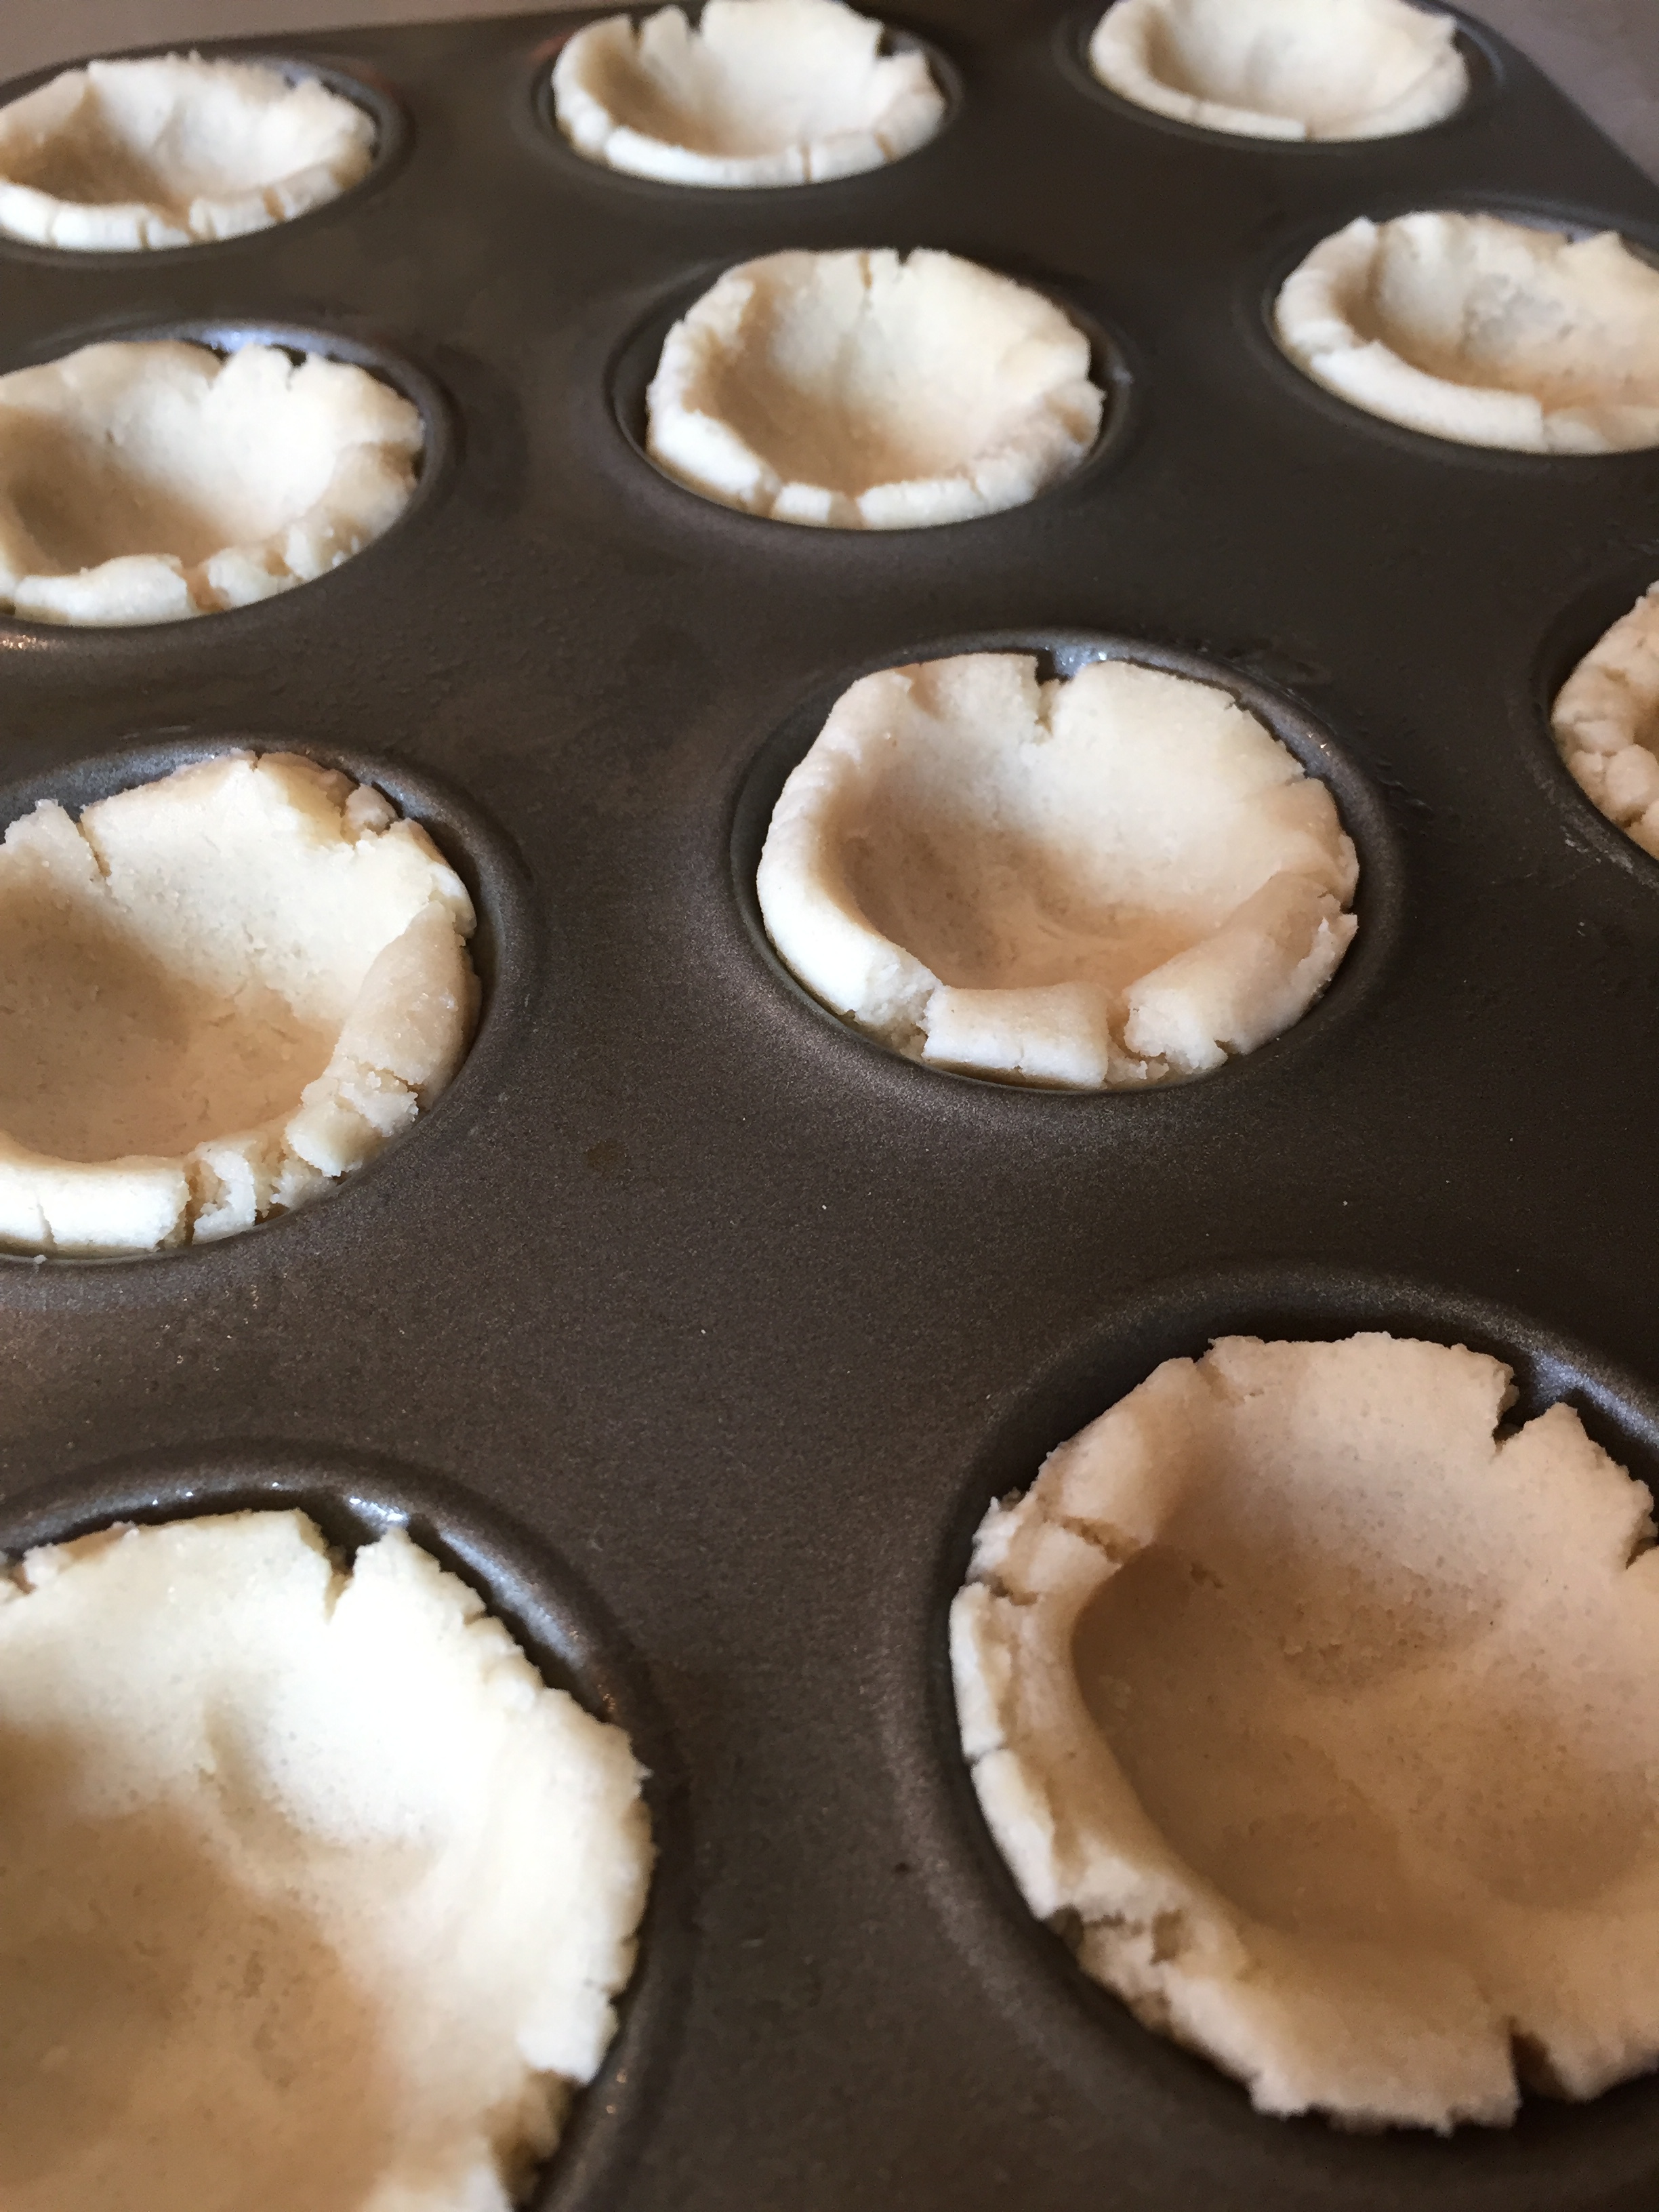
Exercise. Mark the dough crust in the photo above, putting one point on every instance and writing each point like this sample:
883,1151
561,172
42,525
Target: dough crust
1284,69
1317,1705
312,1894
218,993
176,151
1095,884
1606,721
145,482
1488,332
761,92
862,391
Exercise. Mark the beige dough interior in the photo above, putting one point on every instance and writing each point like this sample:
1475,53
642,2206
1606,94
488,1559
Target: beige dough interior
107,1049
1283,1696
313,1895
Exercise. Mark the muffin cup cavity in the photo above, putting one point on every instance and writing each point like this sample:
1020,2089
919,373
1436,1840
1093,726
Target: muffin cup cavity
502,948
1364,817
558,1621
361,88
677,195
634,363
1028,1967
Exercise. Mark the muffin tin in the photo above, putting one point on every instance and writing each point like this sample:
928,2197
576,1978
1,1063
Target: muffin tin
699,1331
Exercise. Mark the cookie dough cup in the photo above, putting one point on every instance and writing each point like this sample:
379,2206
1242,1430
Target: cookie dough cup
1605,721
176,151
1100,883
147,481
1283,68
1483,331
305,1874
760,92
1316,1705
219,993
868,390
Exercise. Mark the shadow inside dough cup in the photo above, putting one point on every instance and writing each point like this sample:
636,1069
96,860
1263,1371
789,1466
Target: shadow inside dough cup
147,481
758,92
120,155
312,1893
1605,721
1284,69
219,993
1314,1706
1100,883
871,391
1483,332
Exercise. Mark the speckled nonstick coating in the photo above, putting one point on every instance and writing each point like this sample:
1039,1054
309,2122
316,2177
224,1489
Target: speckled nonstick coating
699,1331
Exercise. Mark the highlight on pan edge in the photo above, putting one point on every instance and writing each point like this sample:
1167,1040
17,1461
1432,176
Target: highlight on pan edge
1105,882
325,1882
1306,1696
221,990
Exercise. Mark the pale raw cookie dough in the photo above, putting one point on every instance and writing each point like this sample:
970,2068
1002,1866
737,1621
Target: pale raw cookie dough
1284,69
146,481
312,1893
175,151
865,390
1606,721
1487,332
761,92
1321,1718
1096,883
218,993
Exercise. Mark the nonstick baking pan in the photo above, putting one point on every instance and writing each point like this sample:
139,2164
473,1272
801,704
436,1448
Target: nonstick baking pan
696,1330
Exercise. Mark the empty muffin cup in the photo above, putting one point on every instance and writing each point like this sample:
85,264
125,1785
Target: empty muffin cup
1311,1701
1104,883
756,93
1481,330
305,1874
147,481
121,156
220,992
1283,68
865,390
